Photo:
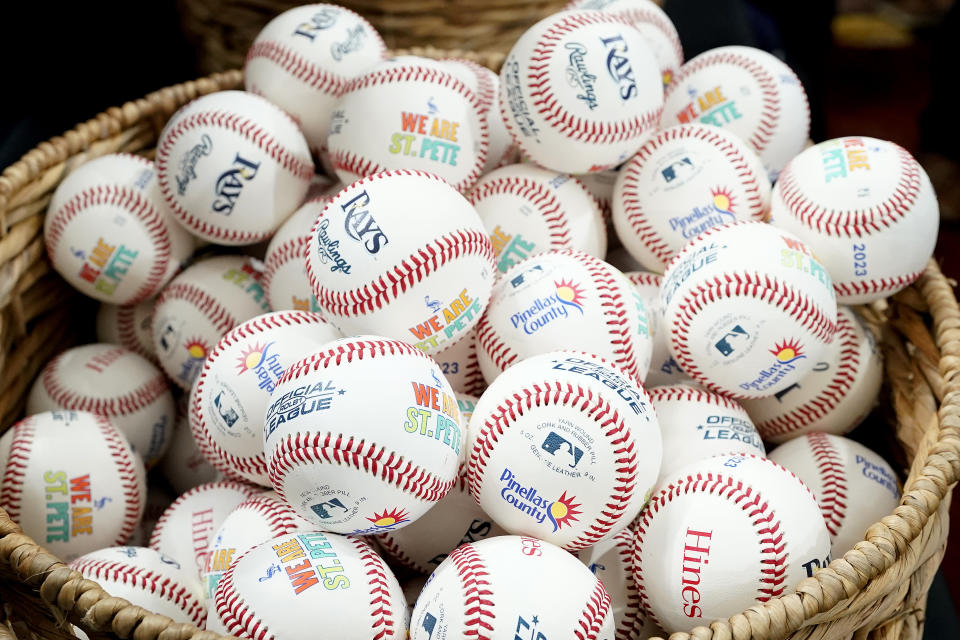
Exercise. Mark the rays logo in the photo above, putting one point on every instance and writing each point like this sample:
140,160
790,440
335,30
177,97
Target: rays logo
360,224
619,68
229,185
560,512
568,297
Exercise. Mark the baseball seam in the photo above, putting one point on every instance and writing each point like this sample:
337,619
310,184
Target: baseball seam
876,285
123,458
593,613
547,204
658,20
238,618
127,332
297,66
202,301
632,623
170,511
21,447
830,469
682,393
478,603
382,622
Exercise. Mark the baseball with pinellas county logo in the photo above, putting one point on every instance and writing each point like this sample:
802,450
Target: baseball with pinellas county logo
538,334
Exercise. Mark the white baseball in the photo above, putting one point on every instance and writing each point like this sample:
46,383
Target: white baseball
600,185
563,300
285,262
254,521
185,530
404,114
697,424
684,180
156,581
611,561
71,481
747,91
232,167
528,210
128,326
751,309
111,381
198,307
868,210
290,586
158,499
183,466
460,366
109,233
229,400
303,58
835,396
510,587
363,436
403,255
652,23
853,485
664,369
580,90
724,534
564,447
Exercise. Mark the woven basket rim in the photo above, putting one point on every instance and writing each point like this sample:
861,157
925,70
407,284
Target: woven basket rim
75,598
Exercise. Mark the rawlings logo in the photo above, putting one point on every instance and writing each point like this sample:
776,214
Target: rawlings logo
619,67
360,224
328,250
579,77
353,43
188,163
230,184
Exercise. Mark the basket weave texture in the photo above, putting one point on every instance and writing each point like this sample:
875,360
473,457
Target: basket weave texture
876,590
223,30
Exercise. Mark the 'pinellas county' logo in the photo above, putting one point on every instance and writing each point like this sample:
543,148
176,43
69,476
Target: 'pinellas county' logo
265,365
567,298
785,354
719,211
560,512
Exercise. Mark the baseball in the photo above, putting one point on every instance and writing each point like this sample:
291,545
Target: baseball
564,447
198,307
255,521
559,300
611,561
403,255
580,90
109,234
528,210
285,278
697,424
683,181
664,369
751,309
183,466
868,210
71,481
128,326
115,382
155,581
748,92
158,499
653,24
600,185
723,534
293,585
854,486
304,58
835,396
404,114
229,399
460,366
185,530
510,587
232,167
363,436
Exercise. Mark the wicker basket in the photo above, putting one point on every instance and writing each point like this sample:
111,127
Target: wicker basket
877,590
222,30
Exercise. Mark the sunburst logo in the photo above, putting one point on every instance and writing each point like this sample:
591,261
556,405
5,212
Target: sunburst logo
667,78
389,518
788,351
252,357
563,512
570,294
197,348
723,201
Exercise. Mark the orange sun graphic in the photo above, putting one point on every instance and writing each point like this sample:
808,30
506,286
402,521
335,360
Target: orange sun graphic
251,358
723,200
563,511
197,348
570,293
667,78
788,351
388,518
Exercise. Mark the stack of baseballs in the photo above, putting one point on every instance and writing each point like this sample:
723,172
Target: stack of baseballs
433,370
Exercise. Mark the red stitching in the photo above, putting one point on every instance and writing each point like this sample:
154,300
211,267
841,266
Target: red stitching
21,447
221,459
591,405
594,611
547,204
143,578
769,93
854,223
632,199
239,487
478,615
297,66
397,554
659,20
632,623
126,323
124,458
131,402
294,249
486,90
222,319
644,279
819,406
236,616
382,622
878,285
249,131
133,203
751,502
683,393
833,479
278,516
